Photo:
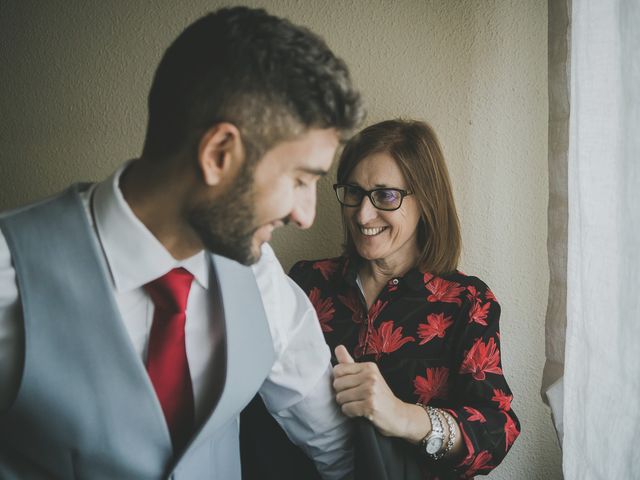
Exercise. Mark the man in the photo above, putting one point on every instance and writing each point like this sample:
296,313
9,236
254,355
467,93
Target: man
132,332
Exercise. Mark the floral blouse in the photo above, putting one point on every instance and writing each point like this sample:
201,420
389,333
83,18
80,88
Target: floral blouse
436,341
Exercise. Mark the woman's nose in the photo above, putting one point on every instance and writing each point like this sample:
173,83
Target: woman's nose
366,211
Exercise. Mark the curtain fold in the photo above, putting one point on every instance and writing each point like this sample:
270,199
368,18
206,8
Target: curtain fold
557,215
600,385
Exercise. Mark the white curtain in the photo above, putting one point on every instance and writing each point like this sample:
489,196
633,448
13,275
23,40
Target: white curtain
597,401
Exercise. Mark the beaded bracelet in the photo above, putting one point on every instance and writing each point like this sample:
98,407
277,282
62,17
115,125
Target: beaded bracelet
452,432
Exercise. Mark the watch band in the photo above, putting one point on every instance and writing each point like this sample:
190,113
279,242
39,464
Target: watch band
437,432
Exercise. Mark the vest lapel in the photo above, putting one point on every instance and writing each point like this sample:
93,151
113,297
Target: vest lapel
129,358
249,348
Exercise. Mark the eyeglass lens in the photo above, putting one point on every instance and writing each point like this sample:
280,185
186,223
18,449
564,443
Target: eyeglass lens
384,198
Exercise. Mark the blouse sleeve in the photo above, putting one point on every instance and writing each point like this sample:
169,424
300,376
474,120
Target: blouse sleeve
487,423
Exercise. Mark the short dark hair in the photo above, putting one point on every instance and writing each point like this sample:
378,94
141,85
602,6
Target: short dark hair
415,148
268,77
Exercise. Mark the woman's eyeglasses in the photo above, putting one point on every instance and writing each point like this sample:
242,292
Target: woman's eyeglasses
387,199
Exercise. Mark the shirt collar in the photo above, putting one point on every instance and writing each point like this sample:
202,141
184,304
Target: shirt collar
414,278
134,255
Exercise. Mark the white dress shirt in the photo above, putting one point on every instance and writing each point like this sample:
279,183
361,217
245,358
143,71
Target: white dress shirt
298,389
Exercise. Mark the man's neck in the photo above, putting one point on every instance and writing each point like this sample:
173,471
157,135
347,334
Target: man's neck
154,192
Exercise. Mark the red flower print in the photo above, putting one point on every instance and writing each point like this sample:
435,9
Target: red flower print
473,295
362,338
444,291
471,452
326,267
489,295
375,310
324,308
433,385
482,358
436,326
386,339
352,302
481,462
479,313
504,400
475,415
511,431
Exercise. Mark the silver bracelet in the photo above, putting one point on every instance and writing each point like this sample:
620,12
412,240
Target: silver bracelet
440,453
452,432
433,443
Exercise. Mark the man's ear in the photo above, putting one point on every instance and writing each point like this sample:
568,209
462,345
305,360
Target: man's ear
220,153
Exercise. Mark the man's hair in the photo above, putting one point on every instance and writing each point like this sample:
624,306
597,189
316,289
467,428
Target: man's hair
415,148
268,77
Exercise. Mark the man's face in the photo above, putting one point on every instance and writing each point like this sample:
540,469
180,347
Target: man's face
279,189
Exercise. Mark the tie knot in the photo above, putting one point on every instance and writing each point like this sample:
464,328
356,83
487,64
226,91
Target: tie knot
171,291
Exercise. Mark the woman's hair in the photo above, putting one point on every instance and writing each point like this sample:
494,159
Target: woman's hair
415,148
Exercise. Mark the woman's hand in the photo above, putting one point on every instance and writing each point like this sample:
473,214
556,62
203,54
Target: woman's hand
361,391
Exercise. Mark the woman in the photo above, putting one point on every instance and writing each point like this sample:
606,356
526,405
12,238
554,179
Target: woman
417,342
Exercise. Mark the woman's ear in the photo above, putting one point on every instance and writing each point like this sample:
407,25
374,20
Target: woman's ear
220,153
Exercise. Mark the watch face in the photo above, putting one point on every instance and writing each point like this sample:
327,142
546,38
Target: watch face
434,445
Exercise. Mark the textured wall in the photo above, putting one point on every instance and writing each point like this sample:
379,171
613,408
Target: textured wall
73,87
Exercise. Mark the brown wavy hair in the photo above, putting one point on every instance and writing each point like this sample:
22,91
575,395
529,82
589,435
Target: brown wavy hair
415,148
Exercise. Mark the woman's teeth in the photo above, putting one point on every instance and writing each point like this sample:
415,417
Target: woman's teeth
369,232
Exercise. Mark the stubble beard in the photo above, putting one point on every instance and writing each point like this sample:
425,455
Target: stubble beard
226,226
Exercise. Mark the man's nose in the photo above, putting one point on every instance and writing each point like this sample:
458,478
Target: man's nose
304,212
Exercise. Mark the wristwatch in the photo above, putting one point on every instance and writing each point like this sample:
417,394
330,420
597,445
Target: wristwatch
434,441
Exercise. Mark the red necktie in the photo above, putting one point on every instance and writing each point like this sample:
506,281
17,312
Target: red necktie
167,363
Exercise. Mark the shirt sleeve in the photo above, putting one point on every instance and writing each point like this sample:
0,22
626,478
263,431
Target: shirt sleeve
11,336
487,423
298,391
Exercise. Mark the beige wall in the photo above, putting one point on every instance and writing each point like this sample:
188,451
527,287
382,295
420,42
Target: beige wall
73,87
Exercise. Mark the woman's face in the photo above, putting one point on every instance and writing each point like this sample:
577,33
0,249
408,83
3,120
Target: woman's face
390,236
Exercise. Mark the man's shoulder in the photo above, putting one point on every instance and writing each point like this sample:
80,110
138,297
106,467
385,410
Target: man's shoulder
46,214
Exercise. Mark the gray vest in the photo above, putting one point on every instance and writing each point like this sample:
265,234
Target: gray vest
86,407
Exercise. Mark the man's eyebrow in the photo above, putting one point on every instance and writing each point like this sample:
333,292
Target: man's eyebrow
313,171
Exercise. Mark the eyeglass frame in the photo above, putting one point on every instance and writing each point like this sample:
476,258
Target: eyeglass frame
367,193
